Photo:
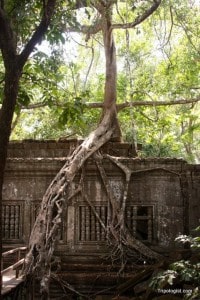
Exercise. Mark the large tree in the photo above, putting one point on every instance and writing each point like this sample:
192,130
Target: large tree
151,63
15,52
45,230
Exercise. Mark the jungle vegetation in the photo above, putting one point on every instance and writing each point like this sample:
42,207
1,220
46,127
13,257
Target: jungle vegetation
98,70
63,81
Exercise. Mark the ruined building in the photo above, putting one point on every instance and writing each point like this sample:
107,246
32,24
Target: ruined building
163,198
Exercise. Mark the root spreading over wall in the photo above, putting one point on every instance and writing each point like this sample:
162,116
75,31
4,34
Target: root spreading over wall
48,222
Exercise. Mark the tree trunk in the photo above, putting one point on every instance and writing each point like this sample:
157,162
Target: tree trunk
6,113
45,231
110,90
6,116
13,68
14,64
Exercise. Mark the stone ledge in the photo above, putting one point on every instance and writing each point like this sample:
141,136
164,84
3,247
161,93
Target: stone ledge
34,148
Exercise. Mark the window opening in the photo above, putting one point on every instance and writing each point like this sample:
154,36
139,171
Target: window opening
10,222
139,220
90,228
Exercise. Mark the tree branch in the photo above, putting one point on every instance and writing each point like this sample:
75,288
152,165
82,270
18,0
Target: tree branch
102,7
126,104
156,103
144,103
89,30
94,105
7,39
140,18
37,36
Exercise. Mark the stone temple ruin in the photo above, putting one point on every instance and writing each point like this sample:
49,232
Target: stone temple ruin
163,199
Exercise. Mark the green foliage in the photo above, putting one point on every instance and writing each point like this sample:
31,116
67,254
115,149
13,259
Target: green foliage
72,112
182,272
159,60
163,278
193,241
164,68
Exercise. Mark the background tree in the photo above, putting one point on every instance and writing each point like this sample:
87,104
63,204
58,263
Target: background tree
157,63
108,16
15,50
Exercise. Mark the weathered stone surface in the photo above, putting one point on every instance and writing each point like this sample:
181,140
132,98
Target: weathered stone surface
163,202
163,196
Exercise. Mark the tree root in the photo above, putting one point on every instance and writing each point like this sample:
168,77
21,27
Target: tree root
123,246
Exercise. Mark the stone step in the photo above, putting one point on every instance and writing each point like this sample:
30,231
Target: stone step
94,281
93,262
91,284
94,267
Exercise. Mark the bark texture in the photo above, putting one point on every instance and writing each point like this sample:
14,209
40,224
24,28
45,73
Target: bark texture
14,63
45,231
47,224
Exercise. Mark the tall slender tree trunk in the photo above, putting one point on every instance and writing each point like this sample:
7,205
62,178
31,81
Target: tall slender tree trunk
14,64
45,230
110,90
6,115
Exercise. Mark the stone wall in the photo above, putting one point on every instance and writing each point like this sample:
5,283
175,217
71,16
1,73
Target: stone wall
163,196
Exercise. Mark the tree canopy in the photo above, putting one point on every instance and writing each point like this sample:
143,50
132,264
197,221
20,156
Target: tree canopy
136,61
157,61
